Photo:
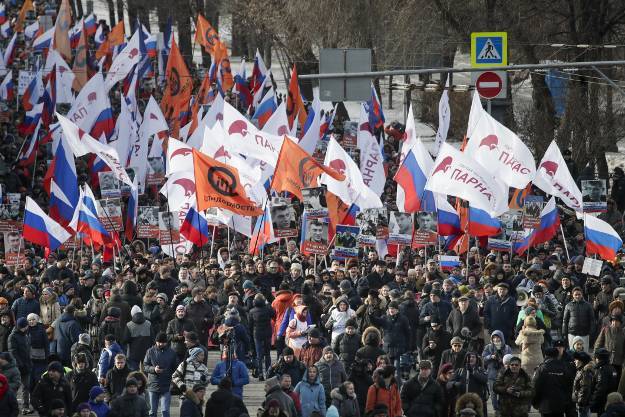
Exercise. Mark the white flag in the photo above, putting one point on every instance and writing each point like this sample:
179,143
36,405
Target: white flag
352,189
371,162
500,151
457,174
444,118
123,63
82,144
64,76
278,123
553,177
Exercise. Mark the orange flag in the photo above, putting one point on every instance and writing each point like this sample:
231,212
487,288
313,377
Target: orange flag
218,185
179,84
19,24
518,197
80,62
61,30
296,169
115,37
206,35
223,61
205,88
294,102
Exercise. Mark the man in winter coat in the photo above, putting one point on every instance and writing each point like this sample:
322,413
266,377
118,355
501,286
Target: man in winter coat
371,340
578,319
410,309
604,381
553,385
26,304
193,401
138,338
66,334
19,348
232,368
130,403
80,379
396,329
456,355
500,312
331,372
116,376
435,342
112,325
259,321
200,312
288,364
465,316
96,401
345,401
612,338
514,390
421,396
273,391
582,385
8,402
8,368
107,357
52,386
160,363
223,403
472,378
347,344
176,330
492,357
311,393
435,308
116,301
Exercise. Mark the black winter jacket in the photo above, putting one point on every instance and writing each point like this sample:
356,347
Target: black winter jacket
19,347
128,405
418,401
47,390
553,386
81,383
579,319
259,319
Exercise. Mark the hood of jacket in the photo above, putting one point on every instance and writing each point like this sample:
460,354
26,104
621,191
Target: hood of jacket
67,317
190,395
221,395
53,299
472,398
371,336
94,292
305,378
259,302
129,288
501,336
284,296
339,394
532,335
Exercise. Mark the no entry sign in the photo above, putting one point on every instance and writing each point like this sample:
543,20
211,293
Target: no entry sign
489,84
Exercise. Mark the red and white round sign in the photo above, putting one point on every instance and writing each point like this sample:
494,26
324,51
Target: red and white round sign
489,85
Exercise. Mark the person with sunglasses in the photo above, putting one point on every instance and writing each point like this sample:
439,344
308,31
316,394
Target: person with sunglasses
514,388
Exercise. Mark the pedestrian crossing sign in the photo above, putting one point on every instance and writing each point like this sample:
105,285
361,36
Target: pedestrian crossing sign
489,49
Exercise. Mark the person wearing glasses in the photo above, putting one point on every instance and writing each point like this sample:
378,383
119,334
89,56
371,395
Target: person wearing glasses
514,388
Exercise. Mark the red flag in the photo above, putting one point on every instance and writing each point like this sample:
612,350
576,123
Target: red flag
294,103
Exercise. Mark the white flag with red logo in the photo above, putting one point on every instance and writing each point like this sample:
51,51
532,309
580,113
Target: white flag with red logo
124,62
352,190
457,174
500,151
180,189
278,123
248,140
553,177
90,103
179,157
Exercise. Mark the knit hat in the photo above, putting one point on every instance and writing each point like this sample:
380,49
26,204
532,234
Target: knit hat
22,323
446,368
84,339
271,382
115,312
181,307
199,387
287,351
48,290
346,285
425,364
163,296
327,349
55,366
456,341
393,304
95,391
248,285
315,333
83,406
161,337
135,309
273,403
56,403
132,381
613,398
507,357
351,323
195,352
31,288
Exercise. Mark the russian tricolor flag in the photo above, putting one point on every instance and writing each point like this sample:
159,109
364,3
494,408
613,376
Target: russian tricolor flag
62,183
31,30
449,262
41,229
263,233
86,220
482,224
42,41
411,193
266,108
6,30
549,224
601,238
74,34
195,228
374,107
448,218
33,92
27,154
7,90
10,51
132,210
259,73
91,25
31,119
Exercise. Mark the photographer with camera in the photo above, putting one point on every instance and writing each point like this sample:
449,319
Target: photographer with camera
514,388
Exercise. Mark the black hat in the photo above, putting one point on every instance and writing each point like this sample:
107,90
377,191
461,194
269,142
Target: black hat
351,323
606,280
56,403
161,337
551,352
559,343
504,285
132,381
393,304
315,333
582,356
436,292
602,353
287,351
55,366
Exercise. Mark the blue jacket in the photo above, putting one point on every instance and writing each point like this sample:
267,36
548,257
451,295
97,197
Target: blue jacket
240,376
165,358
311,396
494,365
23,307
66,334
100,409
107,357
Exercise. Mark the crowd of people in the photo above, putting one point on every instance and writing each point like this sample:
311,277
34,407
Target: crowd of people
379,337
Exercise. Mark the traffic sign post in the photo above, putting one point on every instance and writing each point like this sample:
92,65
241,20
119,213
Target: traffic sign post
489,49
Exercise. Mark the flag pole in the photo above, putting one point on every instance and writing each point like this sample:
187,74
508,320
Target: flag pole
262,219
566,247
212,242
197,214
